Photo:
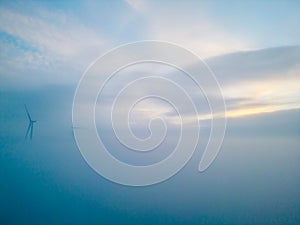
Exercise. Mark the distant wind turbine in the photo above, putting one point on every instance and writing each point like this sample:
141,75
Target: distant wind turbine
30,126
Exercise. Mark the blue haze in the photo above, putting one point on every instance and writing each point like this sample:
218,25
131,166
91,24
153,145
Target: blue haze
45,47
255,179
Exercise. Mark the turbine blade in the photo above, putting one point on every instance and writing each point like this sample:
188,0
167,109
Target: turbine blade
31,131
28,115
27,132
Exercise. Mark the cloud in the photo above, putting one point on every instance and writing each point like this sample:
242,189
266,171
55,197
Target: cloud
188,25
48,42
247,92
53,32
137,5
260,64
253,82
260,81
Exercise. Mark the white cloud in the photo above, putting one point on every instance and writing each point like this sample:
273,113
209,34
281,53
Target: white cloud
55,37
254,82
138,5
188,25
206,40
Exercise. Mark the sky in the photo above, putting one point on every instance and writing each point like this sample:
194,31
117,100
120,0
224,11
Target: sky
253,50
54,43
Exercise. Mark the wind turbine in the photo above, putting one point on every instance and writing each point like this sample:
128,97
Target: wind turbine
30,126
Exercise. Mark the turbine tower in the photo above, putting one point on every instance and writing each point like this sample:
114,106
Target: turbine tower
30,126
